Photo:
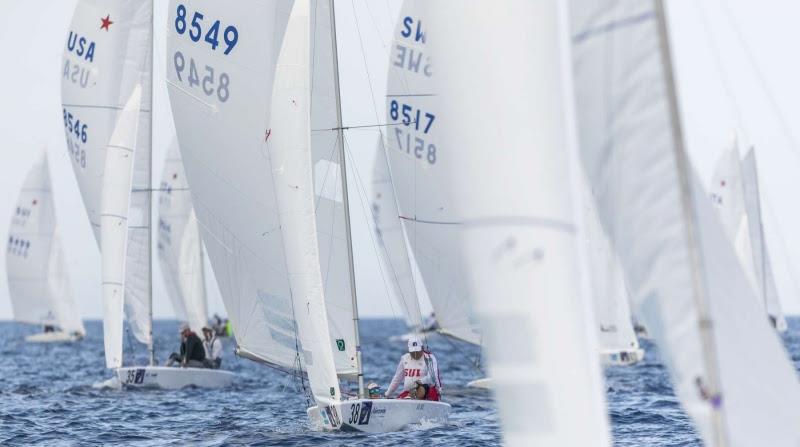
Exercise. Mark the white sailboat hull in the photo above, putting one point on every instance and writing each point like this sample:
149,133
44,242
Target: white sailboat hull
54,337
378,415
622,358
172,378
484,384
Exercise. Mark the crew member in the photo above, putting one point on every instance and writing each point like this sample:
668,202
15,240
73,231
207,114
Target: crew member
418,372
213,348
192,352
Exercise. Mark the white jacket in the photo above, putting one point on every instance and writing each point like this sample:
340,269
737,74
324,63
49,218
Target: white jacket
409,371
213,348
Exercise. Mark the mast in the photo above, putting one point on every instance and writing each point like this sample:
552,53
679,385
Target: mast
343,170
705,323
150,351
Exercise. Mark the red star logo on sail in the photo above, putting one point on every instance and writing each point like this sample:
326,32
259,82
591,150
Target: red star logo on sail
106,22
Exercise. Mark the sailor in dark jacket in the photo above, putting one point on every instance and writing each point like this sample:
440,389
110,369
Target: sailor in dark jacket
192,351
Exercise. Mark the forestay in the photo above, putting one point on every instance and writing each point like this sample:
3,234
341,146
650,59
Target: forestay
328,193
765,280
412,148
506,168
114,212
392,244
37,280
728,368
223,127
179,245
107,53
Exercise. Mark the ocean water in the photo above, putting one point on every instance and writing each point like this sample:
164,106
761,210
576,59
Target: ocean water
47,398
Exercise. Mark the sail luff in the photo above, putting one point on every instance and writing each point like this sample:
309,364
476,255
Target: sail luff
704,319
115,203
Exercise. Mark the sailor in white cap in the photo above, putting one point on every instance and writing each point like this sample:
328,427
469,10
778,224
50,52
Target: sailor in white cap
418,371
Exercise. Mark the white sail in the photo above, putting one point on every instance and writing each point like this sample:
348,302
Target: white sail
107,53
728,368
223,133
392,243
179,246
37,281
328,194
291,155
412,154
506,164
114,212
765,281
611,308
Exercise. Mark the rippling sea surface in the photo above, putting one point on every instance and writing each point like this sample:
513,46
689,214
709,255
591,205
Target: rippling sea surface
47,398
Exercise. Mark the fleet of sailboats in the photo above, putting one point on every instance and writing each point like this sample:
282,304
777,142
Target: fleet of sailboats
533,185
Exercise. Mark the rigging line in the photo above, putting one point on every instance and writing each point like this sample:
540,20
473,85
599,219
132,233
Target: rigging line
363,126
366,69
719,64
784,125
374,23
460,349
360,182
362,194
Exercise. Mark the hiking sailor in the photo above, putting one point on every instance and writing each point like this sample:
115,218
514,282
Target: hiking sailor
418,372
192,352
213,347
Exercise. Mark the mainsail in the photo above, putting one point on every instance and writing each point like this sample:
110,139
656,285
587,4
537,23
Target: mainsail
179,245
392,243
37,281
412,154
728,367
765,280
506,169
106,55
223,131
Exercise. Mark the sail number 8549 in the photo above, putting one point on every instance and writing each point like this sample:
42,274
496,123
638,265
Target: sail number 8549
195,27
207,84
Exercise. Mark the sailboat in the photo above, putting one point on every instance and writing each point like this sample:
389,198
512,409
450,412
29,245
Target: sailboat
728,367
180,250
106,92
410,98
616,337
736,198
37,279
392,245
263,151
503,192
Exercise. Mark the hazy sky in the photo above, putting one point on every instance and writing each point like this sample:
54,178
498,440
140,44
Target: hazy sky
720,89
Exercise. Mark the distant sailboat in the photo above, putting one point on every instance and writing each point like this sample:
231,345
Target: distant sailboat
265,160
728,367
180,249
392,245
411,152
734,192
37,279
106,92
502,192
616,337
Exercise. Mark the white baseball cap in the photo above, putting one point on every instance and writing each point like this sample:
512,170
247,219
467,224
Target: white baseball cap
414,344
